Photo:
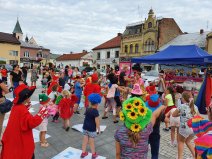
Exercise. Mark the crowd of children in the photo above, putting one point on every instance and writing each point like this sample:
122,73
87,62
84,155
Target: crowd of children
141,107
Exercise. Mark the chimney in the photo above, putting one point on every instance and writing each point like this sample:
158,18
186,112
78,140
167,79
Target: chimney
201,31
71,52
119,34
84,51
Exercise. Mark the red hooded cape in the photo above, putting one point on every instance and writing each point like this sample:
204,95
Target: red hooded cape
65,105
89,89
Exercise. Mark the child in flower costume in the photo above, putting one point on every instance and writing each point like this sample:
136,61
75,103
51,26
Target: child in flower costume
132,138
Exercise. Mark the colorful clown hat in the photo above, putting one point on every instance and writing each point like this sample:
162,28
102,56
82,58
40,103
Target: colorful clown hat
153,102
135,114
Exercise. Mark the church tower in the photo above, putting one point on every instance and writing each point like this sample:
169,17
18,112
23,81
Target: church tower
17,31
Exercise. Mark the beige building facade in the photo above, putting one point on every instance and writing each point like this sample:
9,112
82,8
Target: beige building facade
209,43
145,37
9,49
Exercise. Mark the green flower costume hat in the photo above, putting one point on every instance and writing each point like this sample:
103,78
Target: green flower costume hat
135,114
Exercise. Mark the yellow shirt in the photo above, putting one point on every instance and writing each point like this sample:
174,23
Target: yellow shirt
170,100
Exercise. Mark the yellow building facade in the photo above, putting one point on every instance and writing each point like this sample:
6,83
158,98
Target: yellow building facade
9,49
145,37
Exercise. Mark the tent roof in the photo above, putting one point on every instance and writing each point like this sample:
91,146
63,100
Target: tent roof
177,54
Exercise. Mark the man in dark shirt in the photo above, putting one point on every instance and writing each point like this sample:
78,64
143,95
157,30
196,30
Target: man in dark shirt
24,71
123,79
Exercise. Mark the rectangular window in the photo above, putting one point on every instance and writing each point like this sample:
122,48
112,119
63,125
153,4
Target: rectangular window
108,54
117,54
98,55
26,54
13,53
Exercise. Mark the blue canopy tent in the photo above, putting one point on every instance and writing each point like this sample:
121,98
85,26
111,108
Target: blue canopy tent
182,54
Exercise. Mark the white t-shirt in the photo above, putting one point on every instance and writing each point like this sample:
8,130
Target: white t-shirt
112,90
52,95
67,87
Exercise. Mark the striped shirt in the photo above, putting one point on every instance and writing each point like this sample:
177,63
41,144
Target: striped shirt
128,151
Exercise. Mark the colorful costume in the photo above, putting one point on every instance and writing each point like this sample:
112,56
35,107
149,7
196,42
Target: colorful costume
17,140
66,106
203,130
92,87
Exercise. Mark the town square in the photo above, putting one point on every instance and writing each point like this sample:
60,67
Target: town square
106,79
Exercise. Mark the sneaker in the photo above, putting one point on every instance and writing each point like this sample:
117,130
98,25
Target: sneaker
94,155
104,117
67,129
45,144
116,121
84,154
165,129
77,112
172,144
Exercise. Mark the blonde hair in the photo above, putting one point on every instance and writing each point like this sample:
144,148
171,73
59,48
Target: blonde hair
134,137
66,93
186,96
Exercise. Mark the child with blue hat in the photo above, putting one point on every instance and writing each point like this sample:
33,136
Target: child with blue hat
91,125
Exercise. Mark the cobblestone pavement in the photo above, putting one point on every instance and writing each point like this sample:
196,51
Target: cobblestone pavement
105,143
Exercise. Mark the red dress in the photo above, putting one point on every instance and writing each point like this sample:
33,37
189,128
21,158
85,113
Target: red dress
89,89
66,107
17,140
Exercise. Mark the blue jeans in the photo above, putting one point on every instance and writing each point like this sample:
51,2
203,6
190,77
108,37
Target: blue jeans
154,141
15,84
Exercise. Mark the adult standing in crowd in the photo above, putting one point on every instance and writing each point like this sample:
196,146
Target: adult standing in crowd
3,91
15,77
24,71
66,73
34,75
161,83
76,72
123,79
4,74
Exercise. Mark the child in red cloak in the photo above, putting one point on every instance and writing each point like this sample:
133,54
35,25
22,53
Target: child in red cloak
66,108
91,87
17,140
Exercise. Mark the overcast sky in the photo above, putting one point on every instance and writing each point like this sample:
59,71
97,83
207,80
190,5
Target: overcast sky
74,25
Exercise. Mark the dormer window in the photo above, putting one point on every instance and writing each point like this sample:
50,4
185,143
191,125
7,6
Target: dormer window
150,25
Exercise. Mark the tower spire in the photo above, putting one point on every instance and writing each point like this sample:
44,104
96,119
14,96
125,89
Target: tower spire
17,31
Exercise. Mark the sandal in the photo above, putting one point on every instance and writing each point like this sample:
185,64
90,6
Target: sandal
45,144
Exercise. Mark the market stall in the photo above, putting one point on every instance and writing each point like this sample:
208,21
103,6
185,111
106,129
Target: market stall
189,55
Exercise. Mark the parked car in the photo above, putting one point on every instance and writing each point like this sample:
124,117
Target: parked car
150,76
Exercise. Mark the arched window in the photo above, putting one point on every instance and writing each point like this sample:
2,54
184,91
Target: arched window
131,48
136,48
149,46
126,49
150,25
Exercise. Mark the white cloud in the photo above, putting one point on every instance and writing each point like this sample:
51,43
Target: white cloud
74,25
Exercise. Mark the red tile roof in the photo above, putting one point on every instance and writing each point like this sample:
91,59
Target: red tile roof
112,43
8,38
71,56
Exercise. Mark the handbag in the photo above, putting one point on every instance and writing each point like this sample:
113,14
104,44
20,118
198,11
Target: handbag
5,106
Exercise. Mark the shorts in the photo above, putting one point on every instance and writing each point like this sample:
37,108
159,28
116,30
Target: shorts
43,125
89,133
174,121
111,101
79,99
186,132
118,101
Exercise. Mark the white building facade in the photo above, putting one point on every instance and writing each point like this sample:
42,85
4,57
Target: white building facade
75,59
106,57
